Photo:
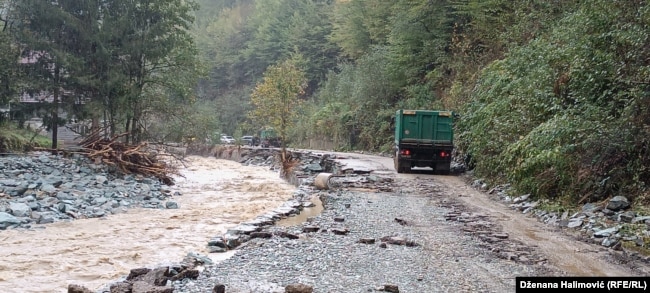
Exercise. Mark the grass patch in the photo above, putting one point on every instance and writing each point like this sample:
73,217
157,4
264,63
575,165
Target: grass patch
632,246
14,139
557,205
636,230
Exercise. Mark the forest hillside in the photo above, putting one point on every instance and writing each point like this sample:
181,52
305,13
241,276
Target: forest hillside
553,97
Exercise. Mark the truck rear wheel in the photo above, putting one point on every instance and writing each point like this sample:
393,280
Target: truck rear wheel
399,167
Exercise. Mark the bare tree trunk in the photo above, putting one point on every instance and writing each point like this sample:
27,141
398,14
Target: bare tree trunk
94,127
55,111
54,123
128,130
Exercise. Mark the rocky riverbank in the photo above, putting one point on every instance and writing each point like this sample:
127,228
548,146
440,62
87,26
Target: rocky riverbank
40,188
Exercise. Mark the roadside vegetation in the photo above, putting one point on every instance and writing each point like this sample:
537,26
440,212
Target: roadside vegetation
553,96
14,139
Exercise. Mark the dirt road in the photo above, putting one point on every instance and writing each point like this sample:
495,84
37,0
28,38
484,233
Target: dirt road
562,252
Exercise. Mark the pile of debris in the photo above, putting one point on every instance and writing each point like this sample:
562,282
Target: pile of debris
128,159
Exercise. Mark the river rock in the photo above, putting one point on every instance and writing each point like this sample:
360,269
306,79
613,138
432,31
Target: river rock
72,288
298,288
59,188
144,287
7,220
19,209
219,288
171,205
391,288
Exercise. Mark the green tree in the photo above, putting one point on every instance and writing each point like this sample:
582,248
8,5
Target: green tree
419,39
247,36
221,42
155,52
277,97
9,55
360,24
284,27
52,35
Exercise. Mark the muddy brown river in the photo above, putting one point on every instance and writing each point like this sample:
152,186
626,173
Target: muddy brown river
216,195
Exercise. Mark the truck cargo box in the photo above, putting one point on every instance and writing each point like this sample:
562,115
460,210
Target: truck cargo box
423,138
423,126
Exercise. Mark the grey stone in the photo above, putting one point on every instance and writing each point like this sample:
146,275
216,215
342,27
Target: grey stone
7,220
574,223
640,219
243,229
627,217
618,203
99,201
20,189
216,249
609,242
314,168
219,288
9,182
20,209
608,212
606,232
34,205
98,213
217,241
521,199
44,159
49,188
100,179
46,219
171,205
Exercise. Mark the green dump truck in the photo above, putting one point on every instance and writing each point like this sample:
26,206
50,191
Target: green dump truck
269,138
423,139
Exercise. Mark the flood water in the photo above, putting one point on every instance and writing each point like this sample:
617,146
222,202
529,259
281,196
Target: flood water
304,215
216,195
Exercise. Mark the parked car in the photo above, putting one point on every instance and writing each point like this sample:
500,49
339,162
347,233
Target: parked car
227,139
248,140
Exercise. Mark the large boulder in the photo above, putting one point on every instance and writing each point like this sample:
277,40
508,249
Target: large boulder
618,203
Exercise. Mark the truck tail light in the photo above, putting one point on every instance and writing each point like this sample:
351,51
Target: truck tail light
444,154
405,152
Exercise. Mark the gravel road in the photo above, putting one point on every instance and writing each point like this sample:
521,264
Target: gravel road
437,256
